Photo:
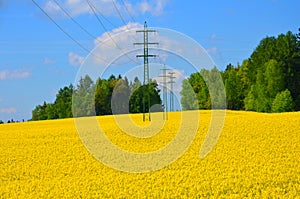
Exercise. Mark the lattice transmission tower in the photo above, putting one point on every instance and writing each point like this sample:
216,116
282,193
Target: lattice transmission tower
165,92
146,55
171,76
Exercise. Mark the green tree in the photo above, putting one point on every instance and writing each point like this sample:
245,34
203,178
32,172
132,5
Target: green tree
250,100
51,111
39,113
283,102
120,97
63,103
84,98
135,85
289,54
285,49
105,89
262,54
199,86
102,97
234,89
274,78
243,75
137,97
262,103
213,80
188,96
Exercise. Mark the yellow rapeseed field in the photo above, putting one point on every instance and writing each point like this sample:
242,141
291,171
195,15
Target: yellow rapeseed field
257,156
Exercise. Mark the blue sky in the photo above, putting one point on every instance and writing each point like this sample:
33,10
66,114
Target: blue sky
37,58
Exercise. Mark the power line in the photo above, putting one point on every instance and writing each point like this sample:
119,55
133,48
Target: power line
82,28
105,29
118,11
83,47
93,8
97,17
66,33
85,30
121,17
128,11
94,37
102,15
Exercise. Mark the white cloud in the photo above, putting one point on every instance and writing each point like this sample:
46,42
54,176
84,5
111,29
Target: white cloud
114,44
72,7
106,7
8,110
52,9
212,50
75,59
48,61
14,74
213,37
119,43
107,35
154,7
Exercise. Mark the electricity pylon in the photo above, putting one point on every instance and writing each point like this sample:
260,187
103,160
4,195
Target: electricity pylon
165,95
146,68
171,76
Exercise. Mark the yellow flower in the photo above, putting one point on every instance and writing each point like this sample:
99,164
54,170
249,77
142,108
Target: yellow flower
256,156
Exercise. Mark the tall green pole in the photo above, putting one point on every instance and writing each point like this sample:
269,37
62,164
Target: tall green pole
171,76
165,96
146,83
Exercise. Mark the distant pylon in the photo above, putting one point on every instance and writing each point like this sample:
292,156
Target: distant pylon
165,94
171,76
146,68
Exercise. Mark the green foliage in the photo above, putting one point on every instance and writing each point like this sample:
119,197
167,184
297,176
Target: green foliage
201,90
62,107
102,97
283,102
105,97
140,94
188,96
283,53
273,67
51,111
250,100
135,85
234,88
262,103
120,97
83,98
214,83
274,77
39,113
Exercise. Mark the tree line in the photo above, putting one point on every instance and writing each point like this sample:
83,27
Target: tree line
268,81
115,95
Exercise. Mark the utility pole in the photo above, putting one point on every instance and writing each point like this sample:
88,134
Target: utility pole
171,76
165,96
146,68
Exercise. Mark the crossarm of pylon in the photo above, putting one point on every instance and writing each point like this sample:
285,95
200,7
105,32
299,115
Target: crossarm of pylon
149,43
146,56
